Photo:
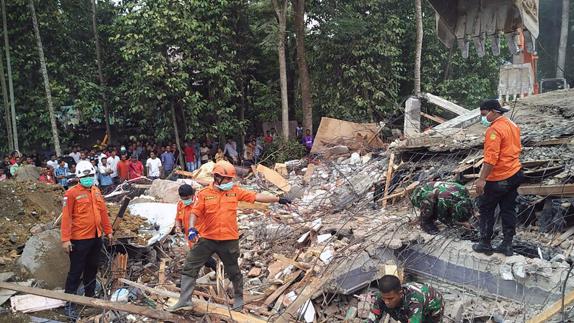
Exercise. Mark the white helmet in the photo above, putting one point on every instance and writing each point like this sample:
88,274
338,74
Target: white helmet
85,168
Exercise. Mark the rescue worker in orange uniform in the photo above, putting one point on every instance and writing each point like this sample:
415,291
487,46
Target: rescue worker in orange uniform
184,206
499,178
85,220
215,209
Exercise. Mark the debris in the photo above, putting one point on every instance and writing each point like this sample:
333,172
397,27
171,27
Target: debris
274,178
356,136
254,272
33,303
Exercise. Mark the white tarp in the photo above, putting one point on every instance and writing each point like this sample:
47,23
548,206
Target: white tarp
162,214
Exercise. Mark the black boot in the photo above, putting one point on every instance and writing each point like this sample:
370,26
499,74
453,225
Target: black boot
70,311
505,248
186,290
429,227
238,293
483,246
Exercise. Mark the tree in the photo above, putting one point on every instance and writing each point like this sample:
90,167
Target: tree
103,88
44,70
418,46
562,47
7,114
304,79
280,7
10,83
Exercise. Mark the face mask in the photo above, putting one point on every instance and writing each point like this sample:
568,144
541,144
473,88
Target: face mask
484,120
226,186
87,181
187,202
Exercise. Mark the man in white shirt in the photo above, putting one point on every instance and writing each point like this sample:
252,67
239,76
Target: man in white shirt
53,162
113,161
231,150
153,165
75,154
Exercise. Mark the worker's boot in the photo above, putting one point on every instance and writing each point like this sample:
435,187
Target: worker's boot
505,247
70,311
429,227
184,302
238,294
483,246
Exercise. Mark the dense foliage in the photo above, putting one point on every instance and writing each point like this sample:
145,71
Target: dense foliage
225,82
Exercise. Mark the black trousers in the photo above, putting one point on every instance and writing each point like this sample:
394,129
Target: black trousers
84,261
503,194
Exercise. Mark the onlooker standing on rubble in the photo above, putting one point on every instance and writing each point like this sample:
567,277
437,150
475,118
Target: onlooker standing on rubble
448,202
112,162
153,165
123,168
189,153
499,178
136,168
105,175
308,140
61,173
213,220
167,160
85,220
411,302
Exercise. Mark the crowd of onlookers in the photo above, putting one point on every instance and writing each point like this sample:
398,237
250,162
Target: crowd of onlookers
116,164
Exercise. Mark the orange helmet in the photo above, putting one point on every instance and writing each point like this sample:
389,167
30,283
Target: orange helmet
224,169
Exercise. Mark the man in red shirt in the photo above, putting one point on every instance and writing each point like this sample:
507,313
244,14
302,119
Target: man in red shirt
123,168
85,220
268,138
136,168
189,153
499,178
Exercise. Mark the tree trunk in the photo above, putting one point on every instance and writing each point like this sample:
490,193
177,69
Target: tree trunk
176,132
7,114
419,45
46,81
103,87
562,48
9,70
306,98
280,7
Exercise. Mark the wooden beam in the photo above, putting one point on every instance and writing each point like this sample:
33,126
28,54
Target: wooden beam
389,178
552,310
403,192
308,173
563,237
94,302
436,119
553,142
305,294
547,190
271,298
445,104
274,177
199,303
289,261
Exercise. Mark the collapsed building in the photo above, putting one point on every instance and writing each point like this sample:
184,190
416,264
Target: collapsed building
351,223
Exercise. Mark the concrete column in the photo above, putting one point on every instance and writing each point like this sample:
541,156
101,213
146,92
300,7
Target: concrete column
412,124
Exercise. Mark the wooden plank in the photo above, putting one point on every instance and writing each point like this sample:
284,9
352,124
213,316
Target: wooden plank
547,190
308,173
445,104
563,237
271,298
252,206
305,294
166,293
553,142
403,192
436,119
389,178
93,302
552,310
274,177
297,264
536,163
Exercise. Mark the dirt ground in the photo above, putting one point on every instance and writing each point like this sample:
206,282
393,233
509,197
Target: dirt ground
23,206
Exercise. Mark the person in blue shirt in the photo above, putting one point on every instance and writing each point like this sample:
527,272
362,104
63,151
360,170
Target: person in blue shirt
167,160
104,175
61,173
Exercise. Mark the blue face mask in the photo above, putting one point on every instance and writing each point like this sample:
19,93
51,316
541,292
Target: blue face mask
484,120
226,186
87,181
187,202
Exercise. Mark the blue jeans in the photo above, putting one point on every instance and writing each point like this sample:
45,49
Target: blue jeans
190,166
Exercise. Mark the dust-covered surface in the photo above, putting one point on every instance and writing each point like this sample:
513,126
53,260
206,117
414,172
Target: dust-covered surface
23,206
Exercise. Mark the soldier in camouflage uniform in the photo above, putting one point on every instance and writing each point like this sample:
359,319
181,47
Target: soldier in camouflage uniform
448,202
410,303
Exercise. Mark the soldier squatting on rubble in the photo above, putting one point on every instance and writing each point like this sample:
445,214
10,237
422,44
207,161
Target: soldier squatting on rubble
447,202
84,220
411,302
213,224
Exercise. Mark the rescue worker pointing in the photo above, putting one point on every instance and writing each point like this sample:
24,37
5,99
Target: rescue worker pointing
85,220
216,208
